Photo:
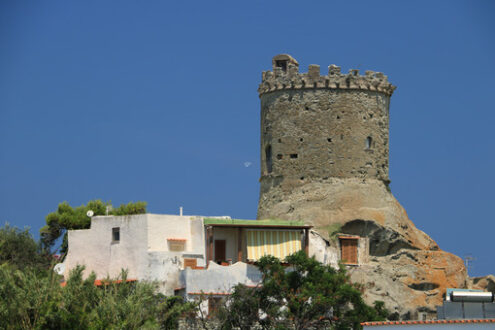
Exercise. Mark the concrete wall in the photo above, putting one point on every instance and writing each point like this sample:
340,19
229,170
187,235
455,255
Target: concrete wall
143,248
323,250
94,248
161,227
219,279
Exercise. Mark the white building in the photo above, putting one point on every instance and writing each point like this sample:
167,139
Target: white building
194,255
217,252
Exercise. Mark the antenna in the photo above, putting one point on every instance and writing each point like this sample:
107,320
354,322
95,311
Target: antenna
468,258
180,210
90,213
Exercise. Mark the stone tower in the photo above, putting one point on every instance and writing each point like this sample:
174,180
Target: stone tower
324,160
315,128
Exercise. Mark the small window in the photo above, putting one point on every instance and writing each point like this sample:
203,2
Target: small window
268,158
176,244
349,250
116,235
281,64
213,305
280,156
293,156
191,263
369,140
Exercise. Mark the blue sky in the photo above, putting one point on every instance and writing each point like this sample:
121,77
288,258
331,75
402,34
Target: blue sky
157,101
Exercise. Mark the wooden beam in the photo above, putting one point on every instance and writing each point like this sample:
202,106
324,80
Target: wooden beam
239,244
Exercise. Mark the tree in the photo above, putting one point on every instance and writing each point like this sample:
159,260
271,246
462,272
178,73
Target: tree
66,217
34,299
19,249
306,294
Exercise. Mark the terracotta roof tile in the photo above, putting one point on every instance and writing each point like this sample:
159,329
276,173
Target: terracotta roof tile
428,322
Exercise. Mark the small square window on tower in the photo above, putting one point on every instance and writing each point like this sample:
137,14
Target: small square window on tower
349,249
116,235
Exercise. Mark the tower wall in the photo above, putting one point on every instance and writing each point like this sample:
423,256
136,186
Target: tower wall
316,127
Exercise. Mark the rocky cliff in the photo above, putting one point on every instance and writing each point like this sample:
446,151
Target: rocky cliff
405,268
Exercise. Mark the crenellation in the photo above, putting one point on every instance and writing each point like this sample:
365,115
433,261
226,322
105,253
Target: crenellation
287,76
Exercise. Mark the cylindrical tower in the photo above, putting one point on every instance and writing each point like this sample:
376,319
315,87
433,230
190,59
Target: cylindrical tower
314,127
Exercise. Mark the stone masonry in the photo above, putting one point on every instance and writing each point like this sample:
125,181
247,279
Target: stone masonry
325,159
317,127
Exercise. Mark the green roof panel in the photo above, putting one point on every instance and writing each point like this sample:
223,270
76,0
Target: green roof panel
267,222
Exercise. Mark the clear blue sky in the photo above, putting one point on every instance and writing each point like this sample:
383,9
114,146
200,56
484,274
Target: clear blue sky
157,101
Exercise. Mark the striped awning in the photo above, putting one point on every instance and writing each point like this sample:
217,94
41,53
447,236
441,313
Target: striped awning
278,243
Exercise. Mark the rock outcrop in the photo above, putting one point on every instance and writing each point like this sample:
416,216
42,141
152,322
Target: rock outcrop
406,269
485,283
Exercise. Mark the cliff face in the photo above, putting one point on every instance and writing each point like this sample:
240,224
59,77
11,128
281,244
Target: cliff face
405,267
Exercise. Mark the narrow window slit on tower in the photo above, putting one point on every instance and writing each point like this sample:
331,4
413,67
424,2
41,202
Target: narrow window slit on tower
293,156
329,139
268,158
369,140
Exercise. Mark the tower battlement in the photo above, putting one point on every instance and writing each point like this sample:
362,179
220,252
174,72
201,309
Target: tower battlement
285,75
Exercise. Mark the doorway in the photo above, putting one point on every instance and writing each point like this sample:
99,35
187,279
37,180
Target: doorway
220,251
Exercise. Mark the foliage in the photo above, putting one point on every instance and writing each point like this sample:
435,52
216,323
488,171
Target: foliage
66,217
35,300
172,309
307,294
20,250
240,309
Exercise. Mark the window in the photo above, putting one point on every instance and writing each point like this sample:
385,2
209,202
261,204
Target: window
176,244
369,140
268,158
191,263
213,305
116,235
282,64
349,250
